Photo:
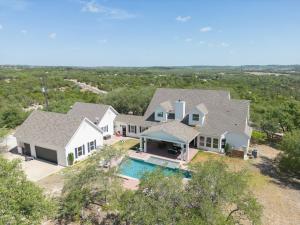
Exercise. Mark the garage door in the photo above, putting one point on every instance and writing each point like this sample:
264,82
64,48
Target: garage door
46,154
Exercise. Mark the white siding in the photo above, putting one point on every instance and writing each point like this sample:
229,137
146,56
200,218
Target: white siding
237,141
161,119
201,118
108,119
118,128
84,134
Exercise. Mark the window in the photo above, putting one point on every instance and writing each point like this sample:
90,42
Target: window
171,116
160,114
79,151
215,143
208,142
142,129
132,129
202,139
91,145
105,128
196,117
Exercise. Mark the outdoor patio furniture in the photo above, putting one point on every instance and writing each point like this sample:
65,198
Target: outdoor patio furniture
106,137
173,151
28,158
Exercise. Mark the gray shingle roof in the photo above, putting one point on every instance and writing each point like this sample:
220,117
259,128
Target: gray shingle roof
91,111
167,106
202,108
224,114
134,120
48,129
176,129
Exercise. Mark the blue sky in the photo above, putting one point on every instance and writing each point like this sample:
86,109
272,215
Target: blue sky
149,32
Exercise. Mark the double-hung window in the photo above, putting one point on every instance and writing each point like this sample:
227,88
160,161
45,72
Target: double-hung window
105,128
91,145
208,142
132,129
160,114
79,151
215,143
196,117
202,141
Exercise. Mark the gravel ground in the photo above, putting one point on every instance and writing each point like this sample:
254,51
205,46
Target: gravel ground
280,198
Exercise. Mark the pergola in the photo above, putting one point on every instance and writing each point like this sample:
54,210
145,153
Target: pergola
173,132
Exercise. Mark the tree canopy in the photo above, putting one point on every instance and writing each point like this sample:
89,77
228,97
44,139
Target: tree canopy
22,202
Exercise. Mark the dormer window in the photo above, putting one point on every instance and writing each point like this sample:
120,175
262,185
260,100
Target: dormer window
160,114
196,117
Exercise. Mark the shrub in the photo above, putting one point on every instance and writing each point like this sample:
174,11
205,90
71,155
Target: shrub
258,137
227,149
71,158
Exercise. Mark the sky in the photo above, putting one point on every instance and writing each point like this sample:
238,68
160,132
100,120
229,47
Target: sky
149,32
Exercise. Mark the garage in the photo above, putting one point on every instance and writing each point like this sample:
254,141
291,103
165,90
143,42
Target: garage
46,154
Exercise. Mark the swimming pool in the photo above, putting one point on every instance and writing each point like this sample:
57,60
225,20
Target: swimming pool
136,168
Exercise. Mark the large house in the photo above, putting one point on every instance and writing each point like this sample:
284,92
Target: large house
53,136
175,120
206,119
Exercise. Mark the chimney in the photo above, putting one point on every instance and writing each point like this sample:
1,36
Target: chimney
179,110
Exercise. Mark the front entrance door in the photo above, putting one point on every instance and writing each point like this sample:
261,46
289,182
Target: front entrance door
26,149
124,131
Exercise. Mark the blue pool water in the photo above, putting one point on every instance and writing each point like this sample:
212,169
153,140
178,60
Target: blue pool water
136,168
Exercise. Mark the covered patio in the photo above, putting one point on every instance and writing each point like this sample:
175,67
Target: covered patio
171,140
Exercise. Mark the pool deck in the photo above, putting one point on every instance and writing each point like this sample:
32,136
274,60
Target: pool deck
145,156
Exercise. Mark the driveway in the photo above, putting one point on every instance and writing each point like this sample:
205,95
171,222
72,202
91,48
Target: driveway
36,169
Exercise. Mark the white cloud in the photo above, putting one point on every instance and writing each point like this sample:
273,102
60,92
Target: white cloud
24,32
224,44
188,39
111,13
206,29
52,35
183,18
201,42
1,27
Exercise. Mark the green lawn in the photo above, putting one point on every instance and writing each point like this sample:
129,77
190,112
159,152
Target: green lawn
132,144
256,179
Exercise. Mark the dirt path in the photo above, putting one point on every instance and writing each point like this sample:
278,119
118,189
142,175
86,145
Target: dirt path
87,87
280,199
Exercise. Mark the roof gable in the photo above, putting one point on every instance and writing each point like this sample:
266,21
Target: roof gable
94,112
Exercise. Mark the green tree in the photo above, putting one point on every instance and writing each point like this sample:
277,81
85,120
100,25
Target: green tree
289,160
219,196
91,186
214,195
22,202
159,200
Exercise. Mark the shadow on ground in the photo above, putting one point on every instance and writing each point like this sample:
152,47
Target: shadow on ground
268,167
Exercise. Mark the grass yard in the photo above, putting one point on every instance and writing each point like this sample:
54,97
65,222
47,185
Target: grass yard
280,201
132,144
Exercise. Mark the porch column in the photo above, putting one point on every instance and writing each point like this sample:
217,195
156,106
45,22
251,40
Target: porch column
182,152
187,153
145,144
141,144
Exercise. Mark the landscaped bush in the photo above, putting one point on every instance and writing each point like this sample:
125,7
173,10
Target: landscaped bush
71,158
258,137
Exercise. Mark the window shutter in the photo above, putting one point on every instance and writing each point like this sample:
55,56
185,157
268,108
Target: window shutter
135,129
76,154
88,144
95,143
129,129
83,149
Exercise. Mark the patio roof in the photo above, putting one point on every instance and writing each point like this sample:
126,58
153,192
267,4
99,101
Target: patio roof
175,129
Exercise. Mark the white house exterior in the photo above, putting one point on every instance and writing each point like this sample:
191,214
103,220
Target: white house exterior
205,119
102,115
53,136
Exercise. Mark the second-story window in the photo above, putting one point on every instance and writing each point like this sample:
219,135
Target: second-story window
196,117
160,114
